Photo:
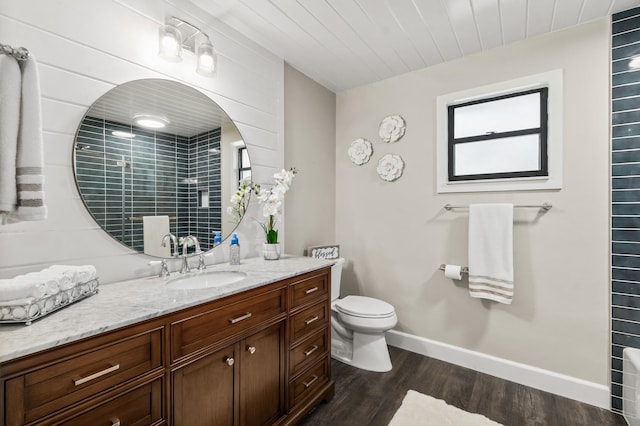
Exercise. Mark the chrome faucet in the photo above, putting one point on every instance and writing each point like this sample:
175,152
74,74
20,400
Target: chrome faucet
185,243
174,244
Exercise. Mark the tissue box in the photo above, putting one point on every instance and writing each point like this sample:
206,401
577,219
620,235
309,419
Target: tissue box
30,309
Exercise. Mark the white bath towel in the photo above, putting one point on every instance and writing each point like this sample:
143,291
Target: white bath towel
491,252
10,81
75,273
21,287
156,227
30,151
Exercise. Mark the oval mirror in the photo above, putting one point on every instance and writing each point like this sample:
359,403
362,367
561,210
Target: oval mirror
156,156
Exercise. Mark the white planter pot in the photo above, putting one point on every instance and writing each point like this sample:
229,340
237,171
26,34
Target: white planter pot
271,251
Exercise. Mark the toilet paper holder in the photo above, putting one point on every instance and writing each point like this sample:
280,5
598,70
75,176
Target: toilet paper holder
465,270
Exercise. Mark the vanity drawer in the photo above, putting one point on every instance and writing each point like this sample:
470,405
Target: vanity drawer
75,378
138,407
207,328
307,384
308,351
309,288
312,319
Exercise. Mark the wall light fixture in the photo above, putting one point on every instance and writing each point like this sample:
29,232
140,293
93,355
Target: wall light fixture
177,35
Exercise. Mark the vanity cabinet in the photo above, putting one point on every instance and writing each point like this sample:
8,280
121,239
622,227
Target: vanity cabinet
258,357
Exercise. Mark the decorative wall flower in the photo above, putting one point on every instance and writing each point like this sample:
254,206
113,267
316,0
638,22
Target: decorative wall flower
360,151
390,167
392,128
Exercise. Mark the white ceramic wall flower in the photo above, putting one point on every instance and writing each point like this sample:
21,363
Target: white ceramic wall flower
390,167
360,151
392,128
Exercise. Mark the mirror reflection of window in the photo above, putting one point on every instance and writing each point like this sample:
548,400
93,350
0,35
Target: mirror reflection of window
244,165
499,137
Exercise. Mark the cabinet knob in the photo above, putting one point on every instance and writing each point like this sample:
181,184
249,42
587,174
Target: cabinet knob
251,349
115,421
230,361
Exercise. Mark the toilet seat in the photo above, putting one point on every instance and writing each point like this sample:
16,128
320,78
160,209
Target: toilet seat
364,307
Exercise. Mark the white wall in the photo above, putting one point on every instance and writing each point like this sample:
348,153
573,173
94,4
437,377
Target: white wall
395,235
84,48
310,132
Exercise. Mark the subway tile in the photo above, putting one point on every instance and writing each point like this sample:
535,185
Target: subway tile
625,182
626,222
625,117
628,261
625,196
625,38
625,314
625,287
626,130
619,170
625,14
625,274
625,51
624,25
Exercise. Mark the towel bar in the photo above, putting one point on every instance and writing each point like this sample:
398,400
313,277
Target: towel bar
464,270
544,206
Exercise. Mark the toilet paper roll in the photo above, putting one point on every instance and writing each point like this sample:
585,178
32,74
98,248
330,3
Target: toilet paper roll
453,271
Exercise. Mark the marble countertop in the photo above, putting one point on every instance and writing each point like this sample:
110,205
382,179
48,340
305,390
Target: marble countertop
128,302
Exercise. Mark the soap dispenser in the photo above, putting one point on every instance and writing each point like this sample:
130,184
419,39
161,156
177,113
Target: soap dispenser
234,251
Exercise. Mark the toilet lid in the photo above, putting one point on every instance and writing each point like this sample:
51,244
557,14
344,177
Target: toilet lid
362,306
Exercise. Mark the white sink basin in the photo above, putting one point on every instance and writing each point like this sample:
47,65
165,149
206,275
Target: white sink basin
205,279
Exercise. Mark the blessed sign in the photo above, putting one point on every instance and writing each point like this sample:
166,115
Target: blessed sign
324,252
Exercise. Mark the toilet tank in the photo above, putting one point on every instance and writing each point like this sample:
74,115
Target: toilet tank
336,276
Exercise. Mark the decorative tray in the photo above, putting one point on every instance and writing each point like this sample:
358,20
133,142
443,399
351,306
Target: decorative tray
34,309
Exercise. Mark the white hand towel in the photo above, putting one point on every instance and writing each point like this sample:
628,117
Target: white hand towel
51,281
10,80
77,274
156,227
491,252
30,150
21,287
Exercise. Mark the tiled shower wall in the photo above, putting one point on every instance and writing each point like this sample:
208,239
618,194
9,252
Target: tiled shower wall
154,173
625,195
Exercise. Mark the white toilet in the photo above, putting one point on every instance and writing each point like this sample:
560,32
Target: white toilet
358,325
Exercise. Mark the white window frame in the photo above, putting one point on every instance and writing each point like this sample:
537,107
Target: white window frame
552,80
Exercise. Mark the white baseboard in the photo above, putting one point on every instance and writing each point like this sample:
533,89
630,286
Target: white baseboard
559,384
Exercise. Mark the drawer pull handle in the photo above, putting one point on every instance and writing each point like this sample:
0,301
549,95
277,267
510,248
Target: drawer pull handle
310,320
251,349
115,421
241,318
229,361
311,350
82,380
311,290
310,382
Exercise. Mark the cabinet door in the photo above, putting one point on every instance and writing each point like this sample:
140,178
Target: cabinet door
204,391
262,378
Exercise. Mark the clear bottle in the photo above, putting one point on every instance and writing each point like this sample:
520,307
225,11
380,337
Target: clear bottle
234,251
217,238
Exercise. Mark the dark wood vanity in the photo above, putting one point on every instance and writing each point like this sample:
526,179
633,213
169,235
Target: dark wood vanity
259,357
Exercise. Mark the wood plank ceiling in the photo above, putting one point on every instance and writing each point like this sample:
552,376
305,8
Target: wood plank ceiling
347,43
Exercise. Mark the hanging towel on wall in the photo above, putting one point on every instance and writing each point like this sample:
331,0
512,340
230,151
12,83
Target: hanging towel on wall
30,155
10,83
491,252
155,228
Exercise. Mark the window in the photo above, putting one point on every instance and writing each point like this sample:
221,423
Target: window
499,137
244,165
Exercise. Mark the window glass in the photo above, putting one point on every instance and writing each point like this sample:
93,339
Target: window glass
516,154
501,115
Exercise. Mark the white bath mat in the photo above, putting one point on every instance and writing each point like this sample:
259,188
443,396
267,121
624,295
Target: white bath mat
422,410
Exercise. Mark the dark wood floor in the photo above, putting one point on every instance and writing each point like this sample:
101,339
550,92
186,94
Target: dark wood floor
366,398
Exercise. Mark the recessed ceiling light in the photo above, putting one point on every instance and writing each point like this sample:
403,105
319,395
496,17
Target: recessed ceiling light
150,121
121,134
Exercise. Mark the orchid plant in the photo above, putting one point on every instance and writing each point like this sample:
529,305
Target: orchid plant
239,200
271,200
